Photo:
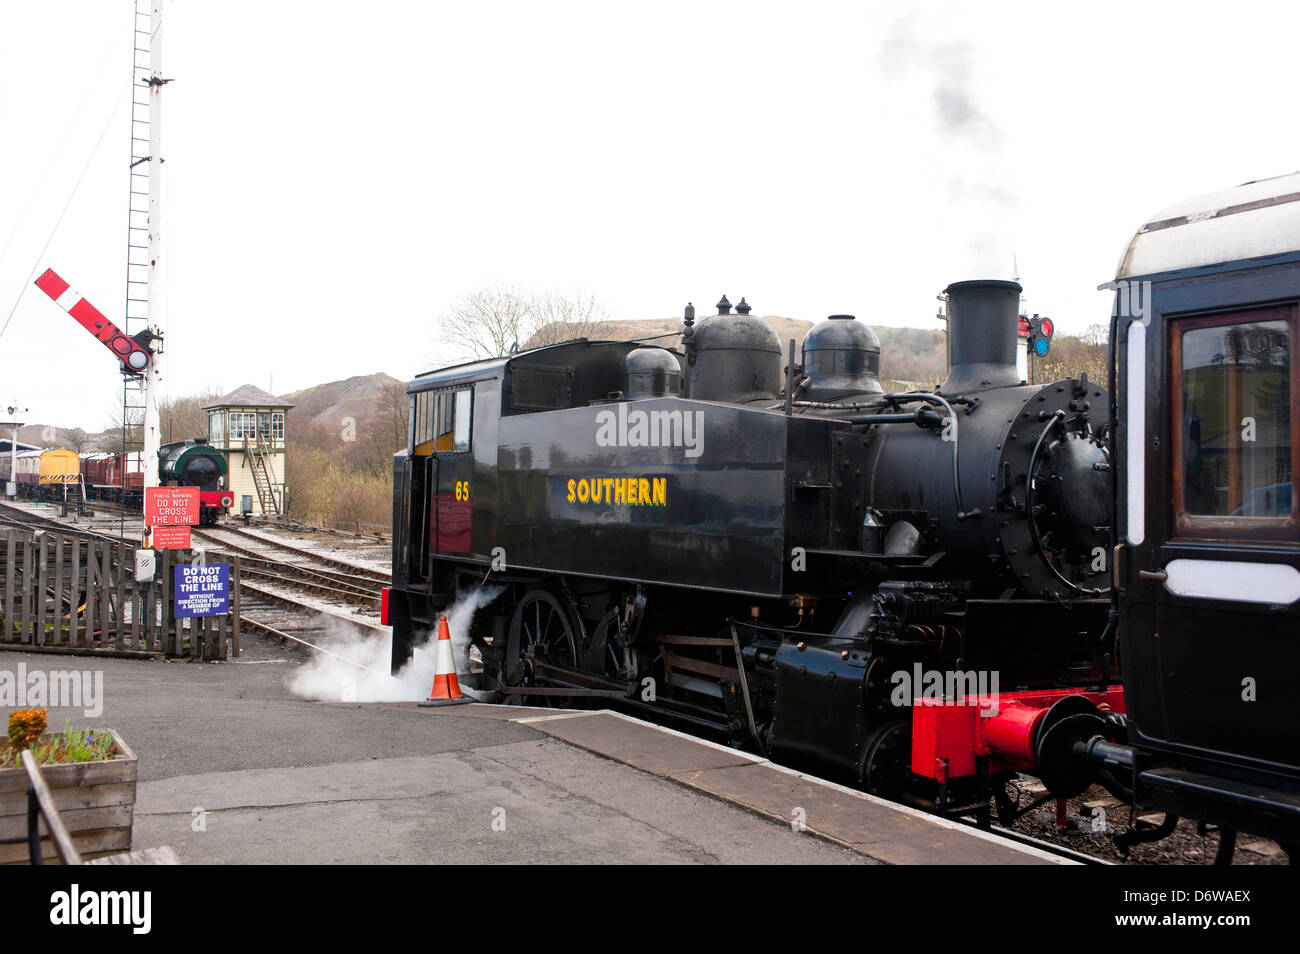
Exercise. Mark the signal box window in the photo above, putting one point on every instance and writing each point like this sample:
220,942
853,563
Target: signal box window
1235,430
243,425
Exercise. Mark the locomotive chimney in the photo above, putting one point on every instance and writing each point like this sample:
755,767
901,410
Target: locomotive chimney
983,317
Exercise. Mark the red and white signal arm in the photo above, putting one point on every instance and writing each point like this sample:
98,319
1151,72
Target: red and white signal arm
135,357
171,506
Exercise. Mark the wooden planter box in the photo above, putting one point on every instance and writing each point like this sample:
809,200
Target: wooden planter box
96,801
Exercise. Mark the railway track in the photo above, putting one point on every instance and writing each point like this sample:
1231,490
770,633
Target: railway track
260,546
359,589
274,562
269,604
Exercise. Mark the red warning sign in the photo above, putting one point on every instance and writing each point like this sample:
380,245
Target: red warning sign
171,538
171,506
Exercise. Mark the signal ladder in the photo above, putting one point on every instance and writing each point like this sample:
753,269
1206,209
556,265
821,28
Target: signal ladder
258,460
137,242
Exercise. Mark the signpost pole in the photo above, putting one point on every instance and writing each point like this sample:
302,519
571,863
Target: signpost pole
13,453
155,308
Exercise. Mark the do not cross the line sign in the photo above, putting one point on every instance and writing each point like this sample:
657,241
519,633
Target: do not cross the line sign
171,506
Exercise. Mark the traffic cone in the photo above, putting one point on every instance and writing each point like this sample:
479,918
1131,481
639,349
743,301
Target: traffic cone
446,687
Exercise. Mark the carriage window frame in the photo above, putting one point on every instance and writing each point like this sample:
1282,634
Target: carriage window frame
1230,528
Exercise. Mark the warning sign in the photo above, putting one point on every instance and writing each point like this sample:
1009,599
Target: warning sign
171,506
202,589
171,538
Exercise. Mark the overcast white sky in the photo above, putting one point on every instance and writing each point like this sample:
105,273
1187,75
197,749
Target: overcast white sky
340,173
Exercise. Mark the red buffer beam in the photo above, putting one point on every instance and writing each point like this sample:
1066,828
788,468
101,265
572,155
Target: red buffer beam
134,356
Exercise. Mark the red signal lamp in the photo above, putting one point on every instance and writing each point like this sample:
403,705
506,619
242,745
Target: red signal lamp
1040,334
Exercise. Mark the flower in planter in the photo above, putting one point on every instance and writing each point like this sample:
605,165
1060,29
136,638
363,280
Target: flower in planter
26,726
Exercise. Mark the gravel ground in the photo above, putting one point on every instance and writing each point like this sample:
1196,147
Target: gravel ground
363,551
1096,816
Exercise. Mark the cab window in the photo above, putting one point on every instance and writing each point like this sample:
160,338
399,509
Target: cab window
442,421
1235,440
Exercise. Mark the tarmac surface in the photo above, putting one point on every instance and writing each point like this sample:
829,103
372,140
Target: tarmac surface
234,769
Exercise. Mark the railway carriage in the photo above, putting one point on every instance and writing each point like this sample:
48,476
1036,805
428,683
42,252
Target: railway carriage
1208,545
48,474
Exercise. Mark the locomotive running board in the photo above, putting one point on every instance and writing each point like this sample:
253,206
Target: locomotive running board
568,682
560,691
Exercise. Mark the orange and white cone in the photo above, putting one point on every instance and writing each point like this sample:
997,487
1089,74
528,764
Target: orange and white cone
446,687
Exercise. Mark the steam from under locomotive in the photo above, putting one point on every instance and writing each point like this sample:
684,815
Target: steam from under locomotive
354,667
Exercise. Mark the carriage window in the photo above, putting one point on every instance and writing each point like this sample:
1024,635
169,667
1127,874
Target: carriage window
1235,430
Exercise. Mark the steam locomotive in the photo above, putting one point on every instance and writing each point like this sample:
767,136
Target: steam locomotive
189,463
675,533
910,591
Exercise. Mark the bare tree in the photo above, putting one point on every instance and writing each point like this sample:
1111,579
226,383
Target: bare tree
77,440
487,322
559,318
183,418
1096,336
393,414
1071,357
111,439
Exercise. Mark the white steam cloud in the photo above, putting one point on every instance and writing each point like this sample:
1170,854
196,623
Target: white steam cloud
354,668
926,53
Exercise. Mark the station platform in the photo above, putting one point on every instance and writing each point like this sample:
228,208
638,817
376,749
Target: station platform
879,830
234,769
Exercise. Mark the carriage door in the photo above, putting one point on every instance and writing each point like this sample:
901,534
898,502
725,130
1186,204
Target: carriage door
1212,584
455,471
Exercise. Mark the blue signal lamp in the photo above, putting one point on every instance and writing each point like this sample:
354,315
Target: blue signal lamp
1040,334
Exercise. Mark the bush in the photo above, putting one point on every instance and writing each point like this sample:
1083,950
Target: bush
26,726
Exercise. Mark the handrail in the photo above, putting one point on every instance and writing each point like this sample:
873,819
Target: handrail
39,800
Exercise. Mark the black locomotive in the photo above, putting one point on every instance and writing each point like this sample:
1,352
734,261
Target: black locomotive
767,556
911,591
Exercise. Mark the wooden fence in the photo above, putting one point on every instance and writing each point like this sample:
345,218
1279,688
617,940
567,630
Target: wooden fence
78,593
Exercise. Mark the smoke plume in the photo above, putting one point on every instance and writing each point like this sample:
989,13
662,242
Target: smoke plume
919,51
